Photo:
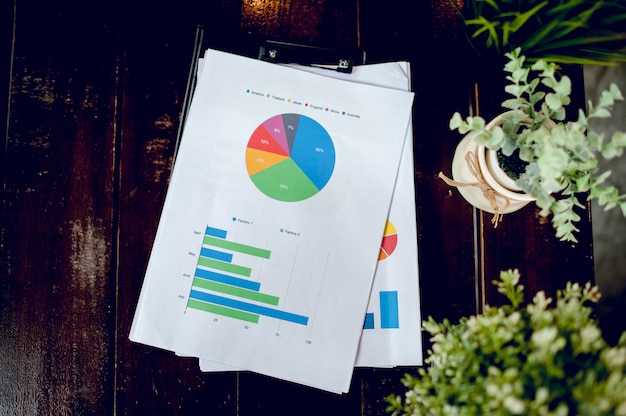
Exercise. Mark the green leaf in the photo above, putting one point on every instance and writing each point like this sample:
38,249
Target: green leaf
606,99
476,123
514,90
581,59
537,97
601,178
553,101
564,86
582,118
615,92
456,121
618,139
520,75
506,30
565,6
511,103
523,18
609,151
496,139
538,36
583,183
486,26
601,113
580,40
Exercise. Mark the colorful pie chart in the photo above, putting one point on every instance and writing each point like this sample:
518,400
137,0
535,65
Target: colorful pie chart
290,157
389,243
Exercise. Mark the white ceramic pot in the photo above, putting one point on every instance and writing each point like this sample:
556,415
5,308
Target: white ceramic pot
481,181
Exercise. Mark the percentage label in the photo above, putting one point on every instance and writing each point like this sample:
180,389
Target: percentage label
283,186
260,160
263,141
319,150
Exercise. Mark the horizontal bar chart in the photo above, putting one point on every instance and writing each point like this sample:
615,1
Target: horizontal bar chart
224,266
229,280
220,310
239,248
236,291
216,254
215,232
221,286
248,307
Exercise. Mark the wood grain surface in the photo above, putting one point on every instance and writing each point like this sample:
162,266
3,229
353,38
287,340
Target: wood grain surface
92,98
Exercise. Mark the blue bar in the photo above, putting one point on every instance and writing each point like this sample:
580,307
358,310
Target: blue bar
249,307
369,321
217,255
229,280
389,310
215,232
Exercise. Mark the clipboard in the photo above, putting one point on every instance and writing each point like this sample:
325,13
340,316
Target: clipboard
334,102
291,53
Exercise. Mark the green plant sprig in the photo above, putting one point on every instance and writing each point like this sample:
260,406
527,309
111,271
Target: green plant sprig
545,358
563,31
562,156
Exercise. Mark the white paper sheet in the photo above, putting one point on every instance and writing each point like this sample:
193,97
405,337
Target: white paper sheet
300,237
392,330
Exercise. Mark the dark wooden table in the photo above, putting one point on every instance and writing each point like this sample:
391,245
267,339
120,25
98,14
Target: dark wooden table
92,94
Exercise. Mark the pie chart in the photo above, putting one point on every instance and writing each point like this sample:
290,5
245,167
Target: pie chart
390,241
290,157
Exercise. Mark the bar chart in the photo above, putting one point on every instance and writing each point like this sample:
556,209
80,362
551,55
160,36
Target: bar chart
222,287
388,309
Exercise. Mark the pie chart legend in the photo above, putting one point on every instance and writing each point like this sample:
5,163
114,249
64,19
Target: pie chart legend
290,157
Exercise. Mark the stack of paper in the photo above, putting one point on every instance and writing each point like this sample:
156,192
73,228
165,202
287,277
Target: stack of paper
270,236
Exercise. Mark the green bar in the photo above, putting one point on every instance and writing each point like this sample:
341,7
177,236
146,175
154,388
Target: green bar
223,266
236,291
221,310
240,248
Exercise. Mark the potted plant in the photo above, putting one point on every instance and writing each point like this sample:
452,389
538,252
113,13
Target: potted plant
559,158
537,359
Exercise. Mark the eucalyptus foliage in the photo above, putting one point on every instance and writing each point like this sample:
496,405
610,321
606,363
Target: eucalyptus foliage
564,31
538,359
562,155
